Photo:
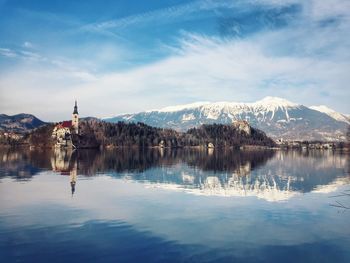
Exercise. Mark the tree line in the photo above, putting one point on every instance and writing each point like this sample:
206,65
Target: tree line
123,134
96,133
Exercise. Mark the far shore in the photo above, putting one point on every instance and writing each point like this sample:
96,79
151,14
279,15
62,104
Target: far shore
199,148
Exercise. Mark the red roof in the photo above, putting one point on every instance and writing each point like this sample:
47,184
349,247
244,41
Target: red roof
66,124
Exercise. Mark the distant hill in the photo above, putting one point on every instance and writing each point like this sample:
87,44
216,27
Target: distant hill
89,119
19,123
278,117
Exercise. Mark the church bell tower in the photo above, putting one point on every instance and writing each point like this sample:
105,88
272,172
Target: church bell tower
75,119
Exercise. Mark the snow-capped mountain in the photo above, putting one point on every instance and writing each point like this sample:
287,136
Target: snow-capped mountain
332,113
278,117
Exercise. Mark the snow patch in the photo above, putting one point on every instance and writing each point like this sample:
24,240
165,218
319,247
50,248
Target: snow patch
127,117
275,102
182,107
188,117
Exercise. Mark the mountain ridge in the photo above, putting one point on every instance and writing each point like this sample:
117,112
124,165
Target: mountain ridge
19,123
332,113
278,117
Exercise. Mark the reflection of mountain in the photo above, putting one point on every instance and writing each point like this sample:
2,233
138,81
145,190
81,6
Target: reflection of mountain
22,164
264,174
284,176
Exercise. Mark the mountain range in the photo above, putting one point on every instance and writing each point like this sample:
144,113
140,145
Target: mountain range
19,123
278,117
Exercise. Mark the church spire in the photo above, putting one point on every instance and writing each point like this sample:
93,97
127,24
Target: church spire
75,108
75,118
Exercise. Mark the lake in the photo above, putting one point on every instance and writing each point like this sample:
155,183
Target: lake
160,205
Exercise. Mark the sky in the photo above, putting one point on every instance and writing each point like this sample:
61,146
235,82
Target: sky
117,56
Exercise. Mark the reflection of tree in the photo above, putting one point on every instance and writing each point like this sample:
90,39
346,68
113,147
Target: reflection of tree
23,164
230,161
138,160
300,171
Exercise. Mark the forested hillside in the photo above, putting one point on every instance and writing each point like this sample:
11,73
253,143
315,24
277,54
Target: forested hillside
94,133
141,135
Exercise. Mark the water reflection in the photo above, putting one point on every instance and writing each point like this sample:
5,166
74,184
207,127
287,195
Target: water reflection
270,175
90,162
142,219
65,162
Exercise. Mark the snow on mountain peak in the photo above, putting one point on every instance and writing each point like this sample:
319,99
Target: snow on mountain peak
278,117
268,103
322,108
275,102
183,107
332,113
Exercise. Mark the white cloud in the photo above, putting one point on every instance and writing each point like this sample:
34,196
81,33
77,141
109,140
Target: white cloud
185,12
6,52
323,9
202,69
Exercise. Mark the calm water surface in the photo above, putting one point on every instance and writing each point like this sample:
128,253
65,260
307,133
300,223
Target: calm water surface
174,206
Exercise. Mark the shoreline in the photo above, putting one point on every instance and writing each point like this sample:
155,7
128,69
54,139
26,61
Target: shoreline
200,148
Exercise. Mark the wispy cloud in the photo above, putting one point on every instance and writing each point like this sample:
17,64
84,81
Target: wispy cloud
167,14
6,52
184,12
319,10
206,69
21,54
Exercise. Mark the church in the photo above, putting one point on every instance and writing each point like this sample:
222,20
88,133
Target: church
64,131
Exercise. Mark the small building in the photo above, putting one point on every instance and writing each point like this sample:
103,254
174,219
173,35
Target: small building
63,131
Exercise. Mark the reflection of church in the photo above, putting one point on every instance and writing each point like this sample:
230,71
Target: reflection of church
65,162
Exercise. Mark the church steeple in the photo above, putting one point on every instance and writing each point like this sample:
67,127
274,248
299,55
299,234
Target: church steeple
75,118
75,108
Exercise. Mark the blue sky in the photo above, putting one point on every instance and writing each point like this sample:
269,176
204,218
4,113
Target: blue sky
129,56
